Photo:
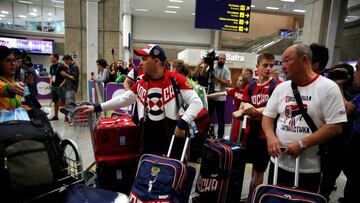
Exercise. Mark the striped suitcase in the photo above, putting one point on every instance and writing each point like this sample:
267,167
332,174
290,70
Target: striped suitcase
266,193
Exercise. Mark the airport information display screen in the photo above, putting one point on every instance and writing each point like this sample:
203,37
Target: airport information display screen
226,15
31,45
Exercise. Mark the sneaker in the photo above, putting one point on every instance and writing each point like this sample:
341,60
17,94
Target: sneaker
66,120
54,118
64,111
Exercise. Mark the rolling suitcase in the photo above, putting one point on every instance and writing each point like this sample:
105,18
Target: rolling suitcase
115,135
274,193
117,172
221,172
163,179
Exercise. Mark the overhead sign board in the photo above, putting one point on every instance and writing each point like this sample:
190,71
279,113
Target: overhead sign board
226,15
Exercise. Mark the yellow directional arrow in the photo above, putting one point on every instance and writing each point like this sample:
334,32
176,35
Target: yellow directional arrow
246,29
247,15
247,8
247,22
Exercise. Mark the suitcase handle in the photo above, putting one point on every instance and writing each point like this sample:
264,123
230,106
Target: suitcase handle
184,149
296,178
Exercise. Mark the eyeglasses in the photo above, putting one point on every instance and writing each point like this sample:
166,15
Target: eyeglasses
10,61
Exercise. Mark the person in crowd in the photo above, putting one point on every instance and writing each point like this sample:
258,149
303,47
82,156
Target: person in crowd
156,103
57,84
180,66
26,73
323,103
114,73
134,75
352,141
276,75
237,94
320,57
71,81
255,97
10,91
222,79
332,160
120,65
103,73
247,73
199,74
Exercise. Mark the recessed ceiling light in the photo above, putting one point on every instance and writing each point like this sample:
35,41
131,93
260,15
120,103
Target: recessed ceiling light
22,16
60,2
26,2
141,9
288,0
252,6
5,12
50,14
170,11
177,1
193,14
299,11
33,14
272,8
1,15
172,7
34,10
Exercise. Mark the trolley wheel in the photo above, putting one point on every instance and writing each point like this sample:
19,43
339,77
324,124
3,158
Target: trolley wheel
73,158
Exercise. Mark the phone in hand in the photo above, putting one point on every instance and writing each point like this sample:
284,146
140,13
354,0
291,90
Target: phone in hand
92,73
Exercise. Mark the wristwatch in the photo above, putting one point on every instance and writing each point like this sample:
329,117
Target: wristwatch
302,146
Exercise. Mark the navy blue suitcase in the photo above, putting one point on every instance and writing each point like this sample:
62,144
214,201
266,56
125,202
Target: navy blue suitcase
221,172
163,179
266,193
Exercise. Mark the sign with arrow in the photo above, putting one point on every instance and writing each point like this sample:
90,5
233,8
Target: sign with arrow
225,15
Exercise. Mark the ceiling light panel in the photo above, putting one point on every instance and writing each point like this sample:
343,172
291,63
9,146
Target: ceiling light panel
288,0
173,12
177,1
5,12
26,2
177,7
141,9
272,8
299,11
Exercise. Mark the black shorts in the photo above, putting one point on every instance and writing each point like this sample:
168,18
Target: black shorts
58,94
257,150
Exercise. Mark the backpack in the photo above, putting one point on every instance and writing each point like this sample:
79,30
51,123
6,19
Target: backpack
31,158
253,84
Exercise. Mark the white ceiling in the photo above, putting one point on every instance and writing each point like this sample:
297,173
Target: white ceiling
157,8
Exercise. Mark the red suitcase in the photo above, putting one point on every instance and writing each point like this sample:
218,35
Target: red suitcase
115,135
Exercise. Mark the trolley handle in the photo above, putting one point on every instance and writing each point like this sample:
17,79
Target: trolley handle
183,154
297,166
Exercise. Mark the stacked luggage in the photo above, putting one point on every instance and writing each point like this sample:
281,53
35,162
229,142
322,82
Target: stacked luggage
116,151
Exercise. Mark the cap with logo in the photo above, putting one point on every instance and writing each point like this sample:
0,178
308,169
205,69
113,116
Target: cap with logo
153,50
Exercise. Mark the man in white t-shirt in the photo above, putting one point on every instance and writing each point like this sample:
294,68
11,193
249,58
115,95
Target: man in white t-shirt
321,99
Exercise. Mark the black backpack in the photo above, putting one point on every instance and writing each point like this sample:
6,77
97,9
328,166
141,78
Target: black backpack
31,157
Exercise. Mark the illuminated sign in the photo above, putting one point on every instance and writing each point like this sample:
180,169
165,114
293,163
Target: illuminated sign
31,45
226,15
229,57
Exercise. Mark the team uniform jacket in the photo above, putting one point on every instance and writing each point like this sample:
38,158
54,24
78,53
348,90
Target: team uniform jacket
156,98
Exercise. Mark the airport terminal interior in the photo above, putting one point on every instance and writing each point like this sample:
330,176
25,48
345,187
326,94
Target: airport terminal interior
93,31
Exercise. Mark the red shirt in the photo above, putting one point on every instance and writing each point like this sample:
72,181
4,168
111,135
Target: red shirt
237,96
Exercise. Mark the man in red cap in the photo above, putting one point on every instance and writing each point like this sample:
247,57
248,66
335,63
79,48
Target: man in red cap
156,104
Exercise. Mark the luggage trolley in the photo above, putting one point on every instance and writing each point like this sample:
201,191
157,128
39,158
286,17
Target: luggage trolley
76,116
74,173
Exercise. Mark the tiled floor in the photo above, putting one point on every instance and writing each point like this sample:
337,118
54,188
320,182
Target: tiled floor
81,135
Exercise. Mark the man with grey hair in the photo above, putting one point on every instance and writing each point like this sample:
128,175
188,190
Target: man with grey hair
321,101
